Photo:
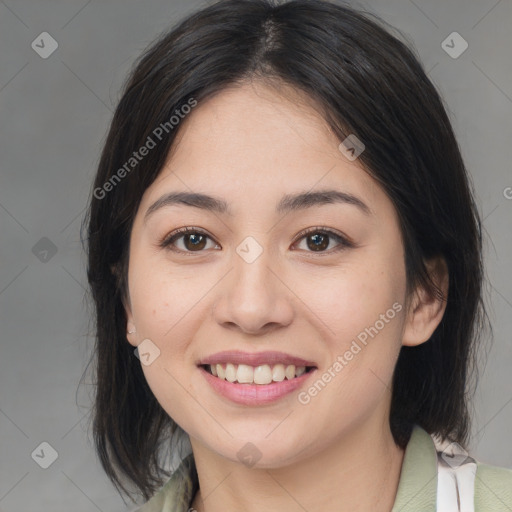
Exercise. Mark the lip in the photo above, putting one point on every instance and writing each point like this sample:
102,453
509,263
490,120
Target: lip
254,359
255,394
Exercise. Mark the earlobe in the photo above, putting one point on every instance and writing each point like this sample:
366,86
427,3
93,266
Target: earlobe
426,310
130,325
131,329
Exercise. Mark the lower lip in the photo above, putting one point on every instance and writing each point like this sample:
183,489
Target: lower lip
255,394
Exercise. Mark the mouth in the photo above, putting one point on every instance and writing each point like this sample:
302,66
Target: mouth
262,375
253,379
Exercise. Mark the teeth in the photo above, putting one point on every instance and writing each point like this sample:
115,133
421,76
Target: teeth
245,374
300,370
221,373
290,372
278,372
263,374
230,372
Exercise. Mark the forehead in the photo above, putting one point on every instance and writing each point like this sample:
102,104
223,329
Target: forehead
253,142
256,119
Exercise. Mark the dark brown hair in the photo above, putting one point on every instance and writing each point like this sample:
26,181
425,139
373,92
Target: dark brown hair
366,82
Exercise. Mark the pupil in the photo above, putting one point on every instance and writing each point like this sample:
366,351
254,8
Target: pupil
198,243
319,241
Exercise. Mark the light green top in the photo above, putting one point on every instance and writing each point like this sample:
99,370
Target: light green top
417,488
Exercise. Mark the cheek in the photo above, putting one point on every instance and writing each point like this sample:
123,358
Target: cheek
166,310
362,340
361,313
353,296
161,299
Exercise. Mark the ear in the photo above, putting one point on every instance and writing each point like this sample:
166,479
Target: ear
426,311
131,334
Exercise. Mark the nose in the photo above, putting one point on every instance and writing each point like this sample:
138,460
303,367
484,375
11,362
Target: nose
253,297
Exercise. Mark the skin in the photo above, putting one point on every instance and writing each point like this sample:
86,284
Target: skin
250,145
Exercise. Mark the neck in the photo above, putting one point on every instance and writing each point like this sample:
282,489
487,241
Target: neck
358,473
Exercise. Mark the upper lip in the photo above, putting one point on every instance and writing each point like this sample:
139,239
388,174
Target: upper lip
254,359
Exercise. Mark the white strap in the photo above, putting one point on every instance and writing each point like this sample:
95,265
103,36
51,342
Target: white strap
456,472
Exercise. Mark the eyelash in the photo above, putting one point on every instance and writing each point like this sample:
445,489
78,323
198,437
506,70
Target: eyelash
344,243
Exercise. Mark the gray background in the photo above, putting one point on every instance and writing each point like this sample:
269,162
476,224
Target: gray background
54,116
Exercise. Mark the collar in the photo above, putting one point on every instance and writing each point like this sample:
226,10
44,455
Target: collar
417,487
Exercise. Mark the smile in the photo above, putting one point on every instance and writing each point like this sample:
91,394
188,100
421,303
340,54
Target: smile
262,374
253,394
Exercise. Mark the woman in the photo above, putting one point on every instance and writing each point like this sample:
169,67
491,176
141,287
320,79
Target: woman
285,260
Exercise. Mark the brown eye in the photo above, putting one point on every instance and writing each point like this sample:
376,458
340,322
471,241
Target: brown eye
194,240
318,240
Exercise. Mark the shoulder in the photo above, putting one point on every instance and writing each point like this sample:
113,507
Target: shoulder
493,488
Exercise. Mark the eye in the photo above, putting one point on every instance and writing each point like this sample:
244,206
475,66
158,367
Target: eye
194,240
318,239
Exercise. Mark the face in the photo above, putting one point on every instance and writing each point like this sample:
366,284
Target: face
323,281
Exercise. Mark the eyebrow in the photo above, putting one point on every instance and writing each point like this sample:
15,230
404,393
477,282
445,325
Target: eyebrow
288,203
